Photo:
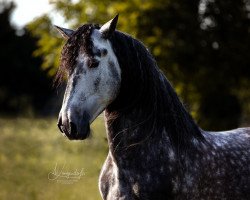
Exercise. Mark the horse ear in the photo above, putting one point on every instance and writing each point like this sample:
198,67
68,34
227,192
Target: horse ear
66,33
109,28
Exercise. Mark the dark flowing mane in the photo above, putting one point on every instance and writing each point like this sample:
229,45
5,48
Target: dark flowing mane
146,91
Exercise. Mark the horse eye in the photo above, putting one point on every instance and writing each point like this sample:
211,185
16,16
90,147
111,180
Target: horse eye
92,63
104,52
98,53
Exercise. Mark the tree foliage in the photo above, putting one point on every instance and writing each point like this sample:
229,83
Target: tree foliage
23,85
202,46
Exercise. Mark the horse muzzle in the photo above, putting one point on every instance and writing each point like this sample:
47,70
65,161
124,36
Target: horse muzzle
75,128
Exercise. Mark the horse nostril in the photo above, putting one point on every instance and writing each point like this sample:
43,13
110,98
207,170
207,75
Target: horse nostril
73,128
59,124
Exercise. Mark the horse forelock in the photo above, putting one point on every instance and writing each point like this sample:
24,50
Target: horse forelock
79,42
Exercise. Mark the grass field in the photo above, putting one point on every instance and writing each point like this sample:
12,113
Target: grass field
31,149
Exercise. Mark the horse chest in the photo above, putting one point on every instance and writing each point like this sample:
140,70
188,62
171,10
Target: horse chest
130,184
110,184
206,177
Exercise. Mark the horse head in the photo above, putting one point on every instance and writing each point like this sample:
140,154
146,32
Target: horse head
93,77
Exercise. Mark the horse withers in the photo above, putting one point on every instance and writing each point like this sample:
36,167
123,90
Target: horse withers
156,150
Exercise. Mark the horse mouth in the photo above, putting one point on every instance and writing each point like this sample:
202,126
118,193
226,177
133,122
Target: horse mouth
74,131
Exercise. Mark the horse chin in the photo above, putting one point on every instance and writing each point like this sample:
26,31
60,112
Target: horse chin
80,131
76,131
83,133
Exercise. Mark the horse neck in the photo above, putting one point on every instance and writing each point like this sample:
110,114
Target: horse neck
147,111
155,121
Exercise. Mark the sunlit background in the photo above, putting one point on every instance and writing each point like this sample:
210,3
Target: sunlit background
202,46
27,10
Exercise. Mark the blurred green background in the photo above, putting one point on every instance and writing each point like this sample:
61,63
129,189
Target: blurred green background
31,148
202,46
